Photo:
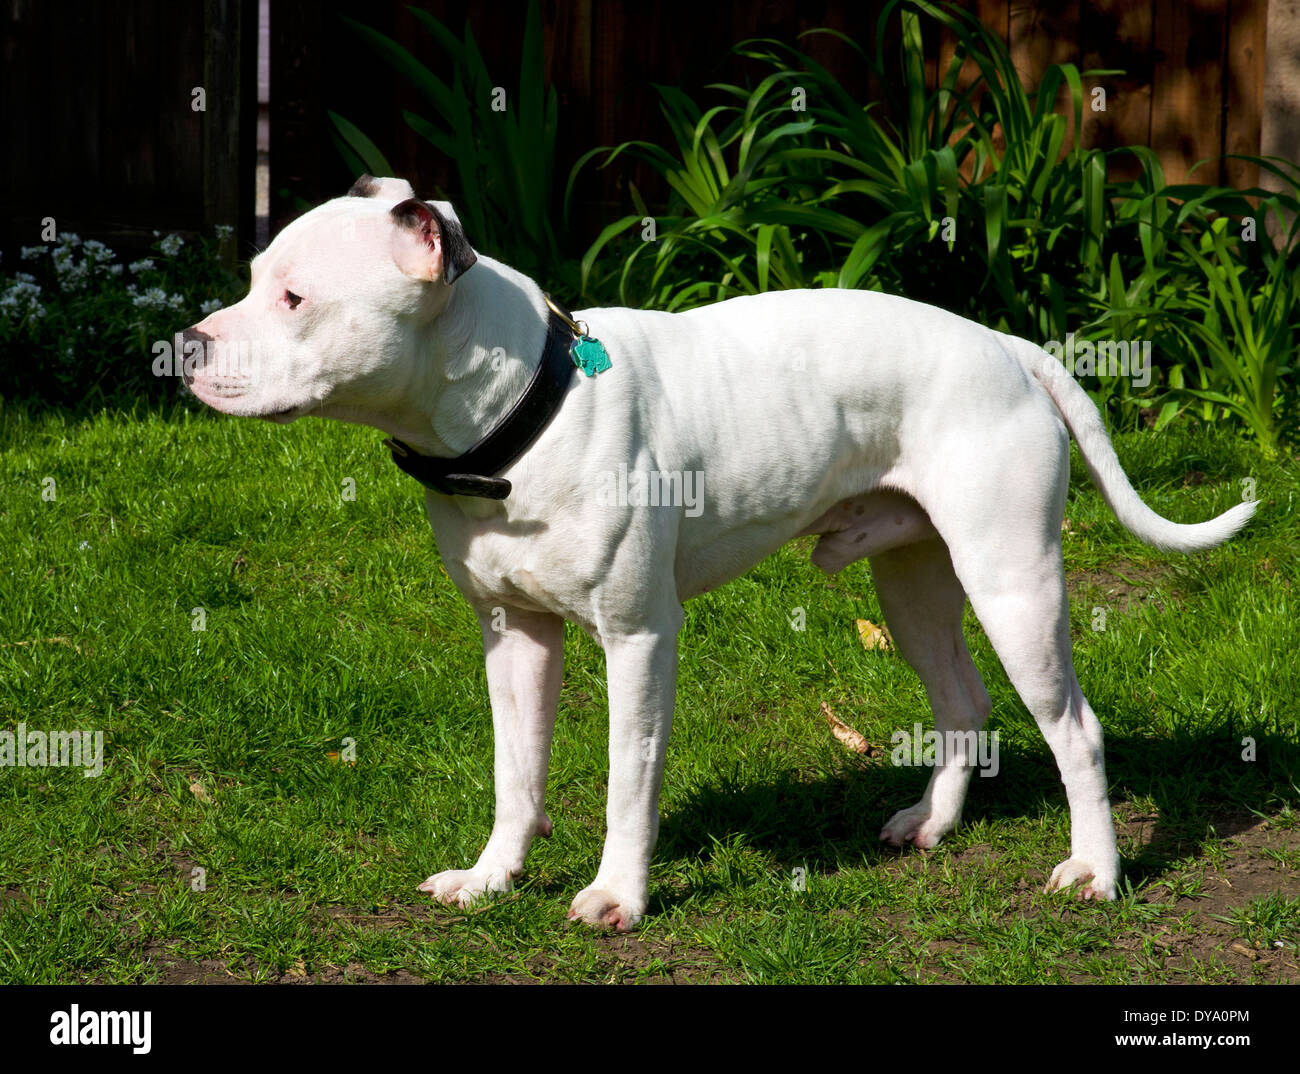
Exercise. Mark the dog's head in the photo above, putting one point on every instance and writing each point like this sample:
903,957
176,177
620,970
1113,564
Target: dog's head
334,307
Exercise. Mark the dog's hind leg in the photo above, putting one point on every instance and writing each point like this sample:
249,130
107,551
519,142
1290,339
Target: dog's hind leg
1006,550
1029,626
923,601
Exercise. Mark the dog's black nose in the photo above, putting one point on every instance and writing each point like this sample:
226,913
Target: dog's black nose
189,358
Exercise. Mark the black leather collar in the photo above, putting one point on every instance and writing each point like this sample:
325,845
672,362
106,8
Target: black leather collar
470,474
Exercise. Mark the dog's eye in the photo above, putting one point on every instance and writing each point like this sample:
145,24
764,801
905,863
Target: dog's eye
292,300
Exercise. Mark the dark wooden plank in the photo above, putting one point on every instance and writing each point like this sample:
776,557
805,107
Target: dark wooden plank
368,92
246,174
995,16
1187,87
230,122
75,114
140,115
297,128
26,71
855,21
180,128
569,56
1042,33
120,100
1244,89
1118,34
609,39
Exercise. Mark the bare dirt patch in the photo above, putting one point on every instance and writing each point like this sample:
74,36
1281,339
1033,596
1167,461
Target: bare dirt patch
1252,865
1122,587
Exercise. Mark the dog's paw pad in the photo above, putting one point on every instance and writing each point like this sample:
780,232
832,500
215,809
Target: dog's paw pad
605,909
1089,881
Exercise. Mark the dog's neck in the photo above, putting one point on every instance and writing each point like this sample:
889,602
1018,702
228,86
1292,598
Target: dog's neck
469,365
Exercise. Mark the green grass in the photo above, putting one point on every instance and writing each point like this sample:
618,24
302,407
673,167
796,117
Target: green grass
328,618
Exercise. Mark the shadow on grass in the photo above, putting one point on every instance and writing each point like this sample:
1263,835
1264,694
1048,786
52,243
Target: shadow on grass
1201,788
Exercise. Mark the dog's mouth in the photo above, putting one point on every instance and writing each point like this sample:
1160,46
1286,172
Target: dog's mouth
233,398
283,417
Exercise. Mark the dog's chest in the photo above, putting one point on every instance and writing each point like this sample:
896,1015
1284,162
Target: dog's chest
494,565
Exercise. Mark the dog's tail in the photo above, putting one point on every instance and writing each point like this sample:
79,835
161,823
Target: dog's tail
1084,422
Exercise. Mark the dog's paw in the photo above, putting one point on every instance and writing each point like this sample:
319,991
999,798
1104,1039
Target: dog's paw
1094,882
464,886
916,825
605,908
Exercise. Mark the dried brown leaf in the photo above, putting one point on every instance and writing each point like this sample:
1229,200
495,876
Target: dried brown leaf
874,637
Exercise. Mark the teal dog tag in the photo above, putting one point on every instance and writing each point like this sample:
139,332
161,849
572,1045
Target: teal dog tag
589,355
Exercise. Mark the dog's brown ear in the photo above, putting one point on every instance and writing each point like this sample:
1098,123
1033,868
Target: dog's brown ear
428,244
367,186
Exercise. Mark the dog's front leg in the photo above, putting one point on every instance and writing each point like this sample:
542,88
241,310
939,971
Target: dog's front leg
524,652
642,673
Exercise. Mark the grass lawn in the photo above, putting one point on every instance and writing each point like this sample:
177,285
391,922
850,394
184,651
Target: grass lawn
230,837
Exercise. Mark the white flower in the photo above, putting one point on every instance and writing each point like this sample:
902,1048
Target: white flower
30,253
171,245
66,267
97,252
177,302
115,270
23,298
155,298
71,273
23,287
224,231
24,277
145,264
69,238
210,306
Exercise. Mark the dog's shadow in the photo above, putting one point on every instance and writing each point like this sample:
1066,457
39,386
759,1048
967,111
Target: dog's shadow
1201,788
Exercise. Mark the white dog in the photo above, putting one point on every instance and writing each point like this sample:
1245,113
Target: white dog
934,447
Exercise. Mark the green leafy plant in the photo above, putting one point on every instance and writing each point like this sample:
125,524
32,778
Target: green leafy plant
1247,336
78,327
503,149
1221,307
971,195
850,195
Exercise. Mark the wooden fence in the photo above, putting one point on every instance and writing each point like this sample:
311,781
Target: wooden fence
99,131
1192,87
99,124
